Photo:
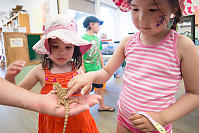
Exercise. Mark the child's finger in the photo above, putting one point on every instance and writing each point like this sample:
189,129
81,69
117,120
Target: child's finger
138,122
16,68
141,127
18,64
72,90
76,111
135,116
85,89
92,102
11,72
21,64
71,83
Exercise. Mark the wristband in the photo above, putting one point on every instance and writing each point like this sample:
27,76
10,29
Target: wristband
159,127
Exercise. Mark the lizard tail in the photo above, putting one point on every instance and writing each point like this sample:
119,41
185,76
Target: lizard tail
66,117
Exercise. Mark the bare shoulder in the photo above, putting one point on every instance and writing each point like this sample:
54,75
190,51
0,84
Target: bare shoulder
124,42
38,68
35,75
189,63
38,71
185,46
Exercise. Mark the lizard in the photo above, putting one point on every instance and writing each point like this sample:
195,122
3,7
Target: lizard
61,93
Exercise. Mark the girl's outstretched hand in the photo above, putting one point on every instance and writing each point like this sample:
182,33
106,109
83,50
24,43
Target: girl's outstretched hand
143,124
47,104
82,81
14,69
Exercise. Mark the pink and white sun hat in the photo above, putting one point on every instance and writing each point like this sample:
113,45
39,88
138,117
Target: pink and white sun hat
187,6
63,28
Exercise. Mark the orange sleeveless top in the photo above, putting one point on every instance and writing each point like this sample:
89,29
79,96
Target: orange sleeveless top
81,123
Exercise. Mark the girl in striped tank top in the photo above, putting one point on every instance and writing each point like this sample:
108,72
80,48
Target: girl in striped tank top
157,59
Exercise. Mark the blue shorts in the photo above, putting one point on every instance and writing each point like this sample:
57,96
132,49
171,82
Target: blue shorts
96,86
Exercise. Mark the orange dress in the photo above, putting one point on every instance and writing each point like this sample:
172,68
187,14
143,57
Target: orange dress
81,123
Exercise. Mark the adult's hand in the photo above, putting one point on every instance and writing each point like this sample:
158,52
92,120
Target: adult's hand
47,104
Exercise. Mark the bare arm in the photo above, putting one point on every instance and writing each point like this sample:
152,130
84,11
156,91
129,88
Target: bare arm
13,95
83,68
80,70
35,75
101,59
13,70
113,64
84,81
190,73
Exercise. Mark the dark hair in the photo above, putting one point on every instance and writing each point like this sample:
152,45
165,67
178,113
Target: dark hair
129,1
47,63
178,14
88,27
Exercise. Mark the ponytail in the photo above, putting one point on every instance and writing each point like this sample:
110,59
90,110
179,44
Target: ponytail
46,62
176,20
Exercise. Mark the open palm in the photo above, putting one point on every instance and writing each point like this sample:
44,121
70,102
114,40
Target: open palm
47,104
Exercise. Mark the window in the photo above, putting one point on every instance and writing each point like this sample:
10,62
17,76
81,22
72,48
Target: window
79,18
107,14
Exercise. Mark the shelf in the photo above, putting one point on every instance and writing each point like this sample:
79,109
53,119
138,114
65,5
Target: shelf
19,20
11,19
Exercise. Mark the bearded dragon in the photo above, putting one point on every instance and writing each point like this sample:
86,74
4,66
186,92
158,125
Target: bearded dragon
61,93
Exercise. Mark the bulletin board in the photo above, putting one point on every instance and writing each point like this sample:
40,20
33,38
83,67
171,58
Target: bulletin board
32,40
18,50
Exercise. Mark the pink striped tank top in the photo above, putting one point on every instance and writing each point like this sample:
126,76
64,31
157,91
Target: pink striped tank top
152,76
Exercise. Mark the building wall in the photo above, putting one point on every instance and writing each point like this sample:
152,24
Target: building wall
82,5
34,9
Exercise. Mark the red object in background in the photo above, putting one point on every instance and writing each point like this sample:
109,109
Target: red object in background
189,1
189,10
106,40
43,28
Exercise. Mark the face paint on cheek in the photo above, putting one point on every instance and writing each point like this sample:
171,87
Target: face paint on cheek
162,18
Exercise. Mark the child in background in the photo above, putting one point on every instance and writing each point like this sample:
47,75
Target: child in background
62,52
92,59
157,58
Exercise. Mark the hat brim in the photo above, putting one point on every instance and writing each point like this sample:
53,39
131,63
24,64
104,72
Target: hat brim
101,22
65,36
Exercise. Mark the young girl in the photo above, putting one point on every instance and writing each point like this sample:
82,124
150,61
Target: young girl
157,58
62,50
